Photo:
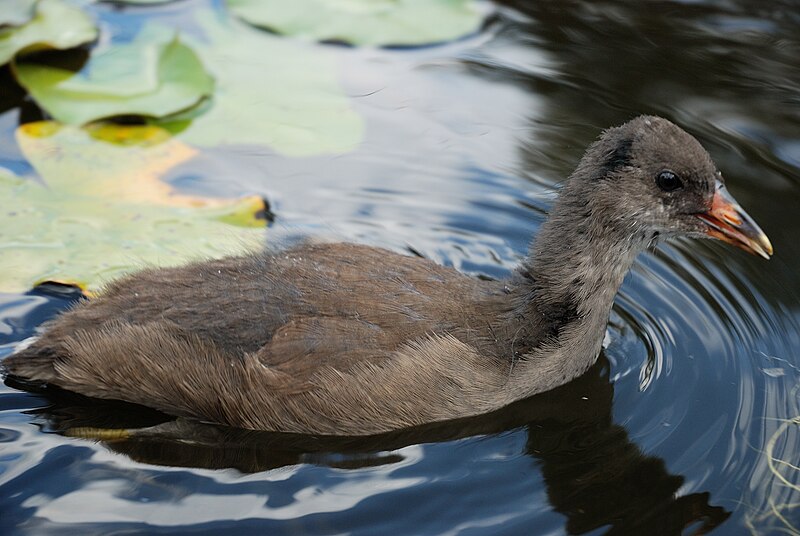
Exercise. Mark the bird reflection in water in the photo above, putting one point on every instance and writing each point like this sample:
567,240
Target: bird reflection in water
594,474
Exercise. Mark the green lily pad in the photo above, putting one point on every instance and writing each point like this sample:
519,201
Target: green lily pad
364,22
148,77
17,12
138,2
103,210
54,24
270,91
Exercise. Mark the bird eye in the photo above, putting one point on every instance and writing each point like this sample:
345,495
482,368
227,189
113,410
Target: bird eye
668,181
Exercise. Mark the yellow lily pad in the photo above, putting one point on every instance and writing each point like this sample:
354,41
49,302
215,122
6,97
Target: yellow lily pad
102,210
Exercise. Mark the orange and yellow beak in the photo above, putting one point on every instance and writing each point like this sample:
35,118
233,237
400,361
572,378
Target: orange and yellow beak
727,221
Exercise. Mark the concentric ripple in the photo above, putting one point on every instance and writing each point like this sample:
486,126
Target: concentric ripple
715,358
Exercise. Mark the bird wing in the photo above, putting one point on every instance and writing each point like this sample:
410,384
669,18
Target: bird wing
302,347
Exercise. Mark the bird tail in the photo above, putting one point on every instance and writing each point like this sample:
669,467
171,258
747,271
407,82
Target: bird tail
154,365
31,364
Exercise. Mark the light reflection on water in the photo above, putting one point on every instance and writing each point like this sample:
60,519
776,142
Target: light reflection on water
463,144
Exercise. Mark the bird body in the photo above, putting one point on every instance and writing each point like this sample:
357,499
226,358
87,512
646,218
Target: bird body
359,337
345,339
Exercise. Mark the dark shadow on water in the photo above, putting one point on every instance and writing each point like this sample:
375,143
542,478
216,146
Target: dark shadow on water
594,474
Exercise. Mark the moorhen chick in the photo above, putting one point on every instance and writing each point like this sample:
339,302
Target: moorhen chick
346,339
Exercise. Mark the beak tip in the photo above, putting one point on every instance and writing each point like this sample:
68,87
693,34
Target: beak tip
767,249
761,245
727,221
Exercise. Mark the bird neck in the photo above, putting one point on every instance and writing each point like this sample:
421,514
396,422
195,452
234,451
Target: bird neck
565,289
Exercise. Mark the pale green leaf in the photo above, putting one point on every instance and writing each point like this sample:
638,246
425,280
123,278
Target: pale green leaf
138,2
270,91
364,22
148,77
103,210
55,24
16,12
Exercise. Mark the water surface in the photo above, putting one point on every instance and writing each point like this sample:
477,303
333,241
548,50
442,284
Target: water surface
669,433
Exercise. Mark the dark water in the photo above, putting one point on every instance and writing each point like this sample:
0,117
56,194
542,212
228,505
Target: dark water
670,433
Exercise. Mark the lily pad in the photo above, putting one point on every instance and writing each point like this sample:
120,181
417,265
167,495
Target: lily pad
271,92
103,211
138,2
17,12
364,22
54,24
148,77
